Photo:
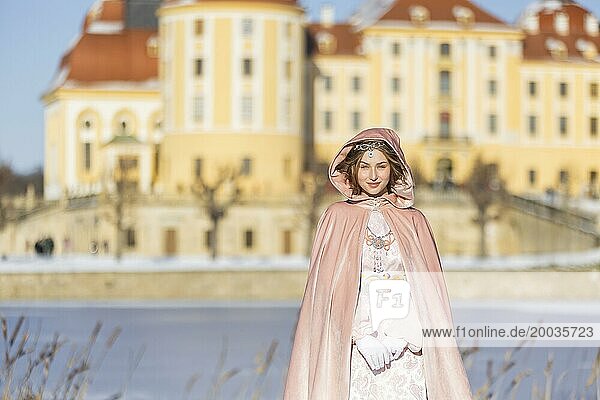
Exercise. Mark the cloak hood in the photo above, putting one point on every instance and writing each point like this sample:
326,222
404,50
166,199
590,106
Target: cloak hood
320,359
403,193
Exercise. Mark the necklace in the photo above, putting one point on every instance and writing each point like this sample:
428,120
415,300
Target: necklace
379,243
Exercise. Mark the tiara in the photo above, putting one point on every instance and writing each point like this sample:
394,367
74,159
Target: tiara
369,147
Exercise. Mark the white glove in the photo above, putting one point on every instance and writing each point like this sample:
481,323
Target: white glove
374,352
396,346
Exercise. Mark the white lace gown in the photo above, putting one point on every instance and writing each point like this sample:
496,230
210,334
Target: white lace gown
404,379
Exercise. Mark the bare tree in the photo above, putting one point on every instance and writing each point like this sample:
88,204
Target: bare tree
5,174
217,198
125,192
485,188
315,187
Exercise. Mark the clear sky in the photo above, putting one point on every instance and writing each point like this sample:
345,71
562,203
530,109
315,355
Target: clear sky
35,33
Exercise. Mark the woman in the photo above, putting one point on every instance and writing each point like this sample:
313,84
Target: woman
393,359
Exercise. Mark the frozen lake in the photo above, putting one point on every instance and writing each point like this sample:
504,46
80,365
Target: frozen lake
181,340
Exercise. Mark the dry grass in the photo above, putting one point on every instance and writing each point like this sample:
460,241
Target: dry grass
27,364
496,376
253,384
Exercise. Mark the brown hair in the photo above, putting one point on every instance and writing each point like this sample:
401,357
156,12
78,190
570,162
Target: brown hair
349,166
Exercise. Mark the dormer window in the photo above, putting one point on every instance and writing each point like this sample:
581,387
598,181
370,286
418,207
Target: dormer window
561,23
247,27
587,48
532,24
463,15
419,15
591,25
152,47
326,43
557,49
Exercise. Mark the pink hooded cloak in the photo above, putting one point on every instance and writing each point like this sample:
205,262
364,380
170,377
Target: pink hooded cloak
319,366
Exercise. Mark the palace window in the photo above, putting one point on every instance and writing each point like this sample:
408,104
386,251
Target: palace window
197,168
532,122
396,121
492,87
199,66
493,123
356,84
87,156
248,238
247,67
327,83
594,90
246,166
396,49
594,126
563,89
445,83
563,125
247,109
563,176
327,120
492,52
130,234
445,124
356,123
198,109
247,27
199,27
445,49
532,177
395,85
287,241
532,88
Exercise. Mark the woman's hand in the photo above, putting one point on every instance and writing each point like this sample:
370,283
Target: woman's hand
396,346
374,352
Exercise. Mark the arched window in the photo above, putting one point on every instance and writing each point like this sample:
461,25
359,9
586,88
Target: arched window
591,25
463,15
124,124
326,43
561,23
418,15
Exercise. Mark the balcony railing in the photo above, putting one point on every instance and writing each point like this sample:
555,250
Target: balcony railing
447,139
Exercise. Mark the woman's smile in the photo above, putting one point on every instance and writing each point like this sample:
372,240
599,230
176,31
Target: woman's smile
373,172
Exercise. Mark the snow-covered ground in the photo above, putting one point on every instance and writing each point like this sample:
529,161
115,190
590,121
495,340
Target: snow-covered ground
87,263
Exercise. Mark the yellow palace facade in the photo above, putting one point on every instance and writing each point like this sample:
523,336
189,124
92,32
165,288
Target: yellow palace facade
176,89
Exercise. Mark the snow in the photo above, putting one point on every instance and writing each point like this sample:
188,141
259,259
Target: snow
59,79
538,7
105,27
584,259
150,84
89,263
543,6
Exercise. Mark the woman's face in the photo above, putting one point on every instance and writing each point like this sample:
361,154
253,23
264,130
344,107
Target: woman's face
373,173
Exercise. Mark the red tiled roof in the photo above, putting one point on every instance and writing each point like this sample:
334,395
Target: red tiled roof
285,2
347,41
111,11
439,10
576,15
112,57
117,55
534,45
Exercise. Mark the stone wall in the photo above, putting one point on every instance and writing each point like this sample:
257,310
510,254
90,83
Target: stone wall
279,285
